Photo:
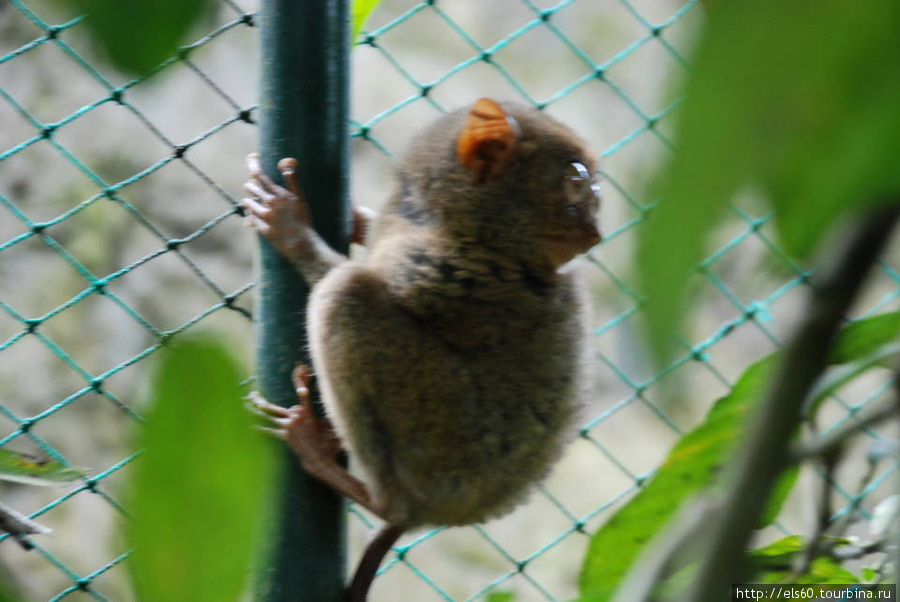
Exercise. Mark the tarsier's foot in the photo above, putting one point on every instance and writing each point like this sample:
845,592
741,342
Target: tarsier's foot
312,438
314,441
279,214
308,430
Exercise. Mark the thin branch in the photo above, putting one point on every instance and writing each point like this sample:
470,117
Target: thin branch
823,513
19,526
856,551
825,445
827,448
765,451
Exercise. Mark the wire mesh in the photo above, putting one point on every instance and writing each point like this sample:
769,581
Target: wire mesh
120,228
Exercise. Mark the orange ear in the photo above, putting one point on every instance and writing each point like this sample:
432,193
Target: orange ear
487,141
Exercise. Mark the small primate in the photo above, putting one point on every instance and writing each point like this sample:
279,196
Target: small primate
451,360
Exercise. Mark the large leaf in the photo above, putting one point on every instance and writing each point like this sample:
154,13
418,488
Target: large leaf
691,466
138,36
795,99
199,488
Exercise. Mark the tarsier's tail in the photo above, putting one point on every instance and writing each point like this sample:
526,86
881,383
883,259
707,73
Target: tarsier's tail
371,560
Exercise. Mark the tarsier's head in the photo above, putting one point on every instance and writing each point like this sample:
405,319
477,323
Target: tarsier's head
505,167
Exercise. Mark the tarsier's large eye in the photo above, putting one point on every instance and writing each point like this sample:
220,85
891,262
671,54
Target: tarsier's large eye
578,181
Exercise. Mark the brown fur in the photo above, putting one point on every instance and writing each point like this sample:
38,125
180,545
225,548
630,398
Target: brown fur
450,361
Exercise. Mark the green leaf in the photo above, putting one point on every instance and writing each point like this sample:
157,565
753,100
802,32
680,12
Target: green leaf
780,492
832,109
862,338
678,585
773,564
836,377
693,464
23,468
794,99
361,11
780,552
138,36
864,344
822,570
199,489
501,597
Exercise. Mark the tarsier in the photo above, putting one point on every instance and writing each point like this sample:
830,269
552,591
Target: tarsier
451,359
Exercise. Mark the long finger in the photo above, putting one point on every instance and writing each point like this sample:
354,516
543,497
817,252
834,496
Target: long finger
255,190
288,169
254,165
266,406
280,433
301,376
262,227
266,410
255,207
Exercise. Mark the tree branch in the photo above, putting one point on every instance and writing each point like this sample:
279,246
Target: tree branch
824,445
18,525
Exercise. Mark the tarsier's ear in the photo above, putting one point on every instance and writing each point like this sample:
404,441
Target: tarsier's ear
487,141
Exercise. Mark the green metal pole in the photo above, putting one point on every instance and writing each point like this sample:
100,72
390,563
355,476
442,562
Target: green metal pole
303,114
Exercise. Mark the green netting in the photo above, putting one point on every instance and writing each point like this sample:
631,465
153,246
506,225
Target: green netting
120,227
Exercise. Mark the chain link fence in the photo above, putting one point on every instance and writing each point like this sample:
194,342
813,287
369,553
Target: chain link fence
120,227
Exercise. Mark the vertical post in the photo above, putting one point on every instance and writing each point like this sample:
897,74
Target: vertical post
303,114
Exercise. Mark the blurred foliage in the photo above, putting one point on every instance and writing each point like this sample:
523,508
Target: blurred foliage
862,346
866,337
24,468
692,465
774,564
161,26
795,100
696,463
199,492
7,595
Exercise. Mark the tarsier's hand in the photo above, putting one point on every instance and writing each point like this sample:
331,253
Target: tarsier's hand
279,214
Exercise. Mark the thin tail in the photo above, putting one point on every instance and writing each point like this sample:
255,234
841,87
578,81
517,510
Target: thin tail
371,560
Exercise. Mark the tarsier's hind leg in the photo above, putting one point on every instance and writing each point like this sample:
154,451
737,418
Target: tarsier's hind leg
314,441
